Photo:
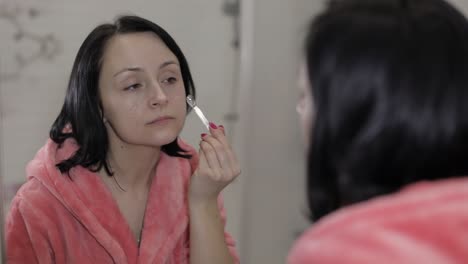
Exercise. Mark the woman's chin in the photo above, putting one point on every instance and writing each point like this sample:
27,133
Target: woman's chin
163,140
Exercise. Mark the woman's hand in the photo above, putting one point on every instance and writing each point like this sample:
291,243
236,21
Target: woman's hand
218,166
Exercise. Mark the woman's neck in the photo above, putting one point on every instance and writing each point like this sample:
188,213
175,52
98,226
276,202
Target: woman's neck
133,166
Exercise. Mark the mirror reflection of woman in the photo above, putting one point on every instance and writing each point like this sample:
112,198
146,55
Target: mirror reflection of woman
383,107
115,183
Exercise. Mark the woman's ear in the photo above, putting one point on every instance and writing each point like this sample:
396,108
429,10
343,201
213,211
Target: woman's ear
101,112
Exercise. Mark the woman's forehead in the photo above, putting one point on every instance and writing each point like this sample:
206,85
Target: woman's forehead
143,49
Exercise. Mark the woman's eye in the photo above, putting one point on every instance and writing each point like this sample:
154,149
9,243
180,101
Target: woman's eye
170,80
132,87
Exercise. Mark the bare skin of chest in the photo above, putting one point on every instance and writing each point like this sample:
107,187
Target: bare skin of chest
132,208
132,205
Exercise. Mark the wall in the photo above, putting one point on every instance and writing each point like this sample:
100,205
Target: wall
461,4
273,212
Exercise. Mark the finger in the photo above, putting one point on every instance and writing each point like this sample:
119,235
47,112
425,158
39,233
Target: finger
211,158
226,157
219,133
202,162
222,129
220,150
235,166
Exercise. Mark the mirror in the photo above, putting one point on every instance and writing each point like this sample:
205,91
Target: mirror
243,56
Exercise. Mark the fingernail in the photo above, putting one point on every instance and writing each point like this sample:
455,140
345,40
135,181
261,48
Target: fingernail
203,135
213,126
222,127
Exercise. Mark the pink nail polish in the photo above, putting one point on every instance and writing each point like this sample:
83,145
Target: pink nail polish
213,126
203,135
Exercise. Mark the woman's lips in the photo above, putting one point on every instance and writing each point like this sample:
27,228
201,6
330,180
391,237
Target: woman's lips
160,120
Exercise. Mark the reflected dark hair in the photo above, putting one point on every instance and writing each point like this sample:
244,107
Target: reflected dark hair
81,110
389,80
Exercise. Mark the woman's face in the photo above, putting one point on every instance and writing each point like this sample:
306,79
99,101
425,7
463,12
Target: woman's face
141,90
305,107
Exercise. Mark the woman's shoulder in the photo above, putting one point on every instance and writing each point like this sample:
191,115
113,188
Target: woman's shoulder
404,227
31,198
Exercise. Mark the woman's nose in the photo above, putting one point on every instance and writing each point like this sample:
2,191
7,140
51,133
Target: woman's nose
158,96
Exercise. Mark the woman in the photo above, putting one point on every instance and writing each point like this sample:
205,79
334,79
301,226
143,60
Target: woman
384,104
115,184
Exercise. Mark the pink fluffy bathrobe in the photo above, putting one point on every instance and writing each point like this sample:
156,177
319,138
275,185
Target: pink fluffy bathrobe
60,219
425,223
